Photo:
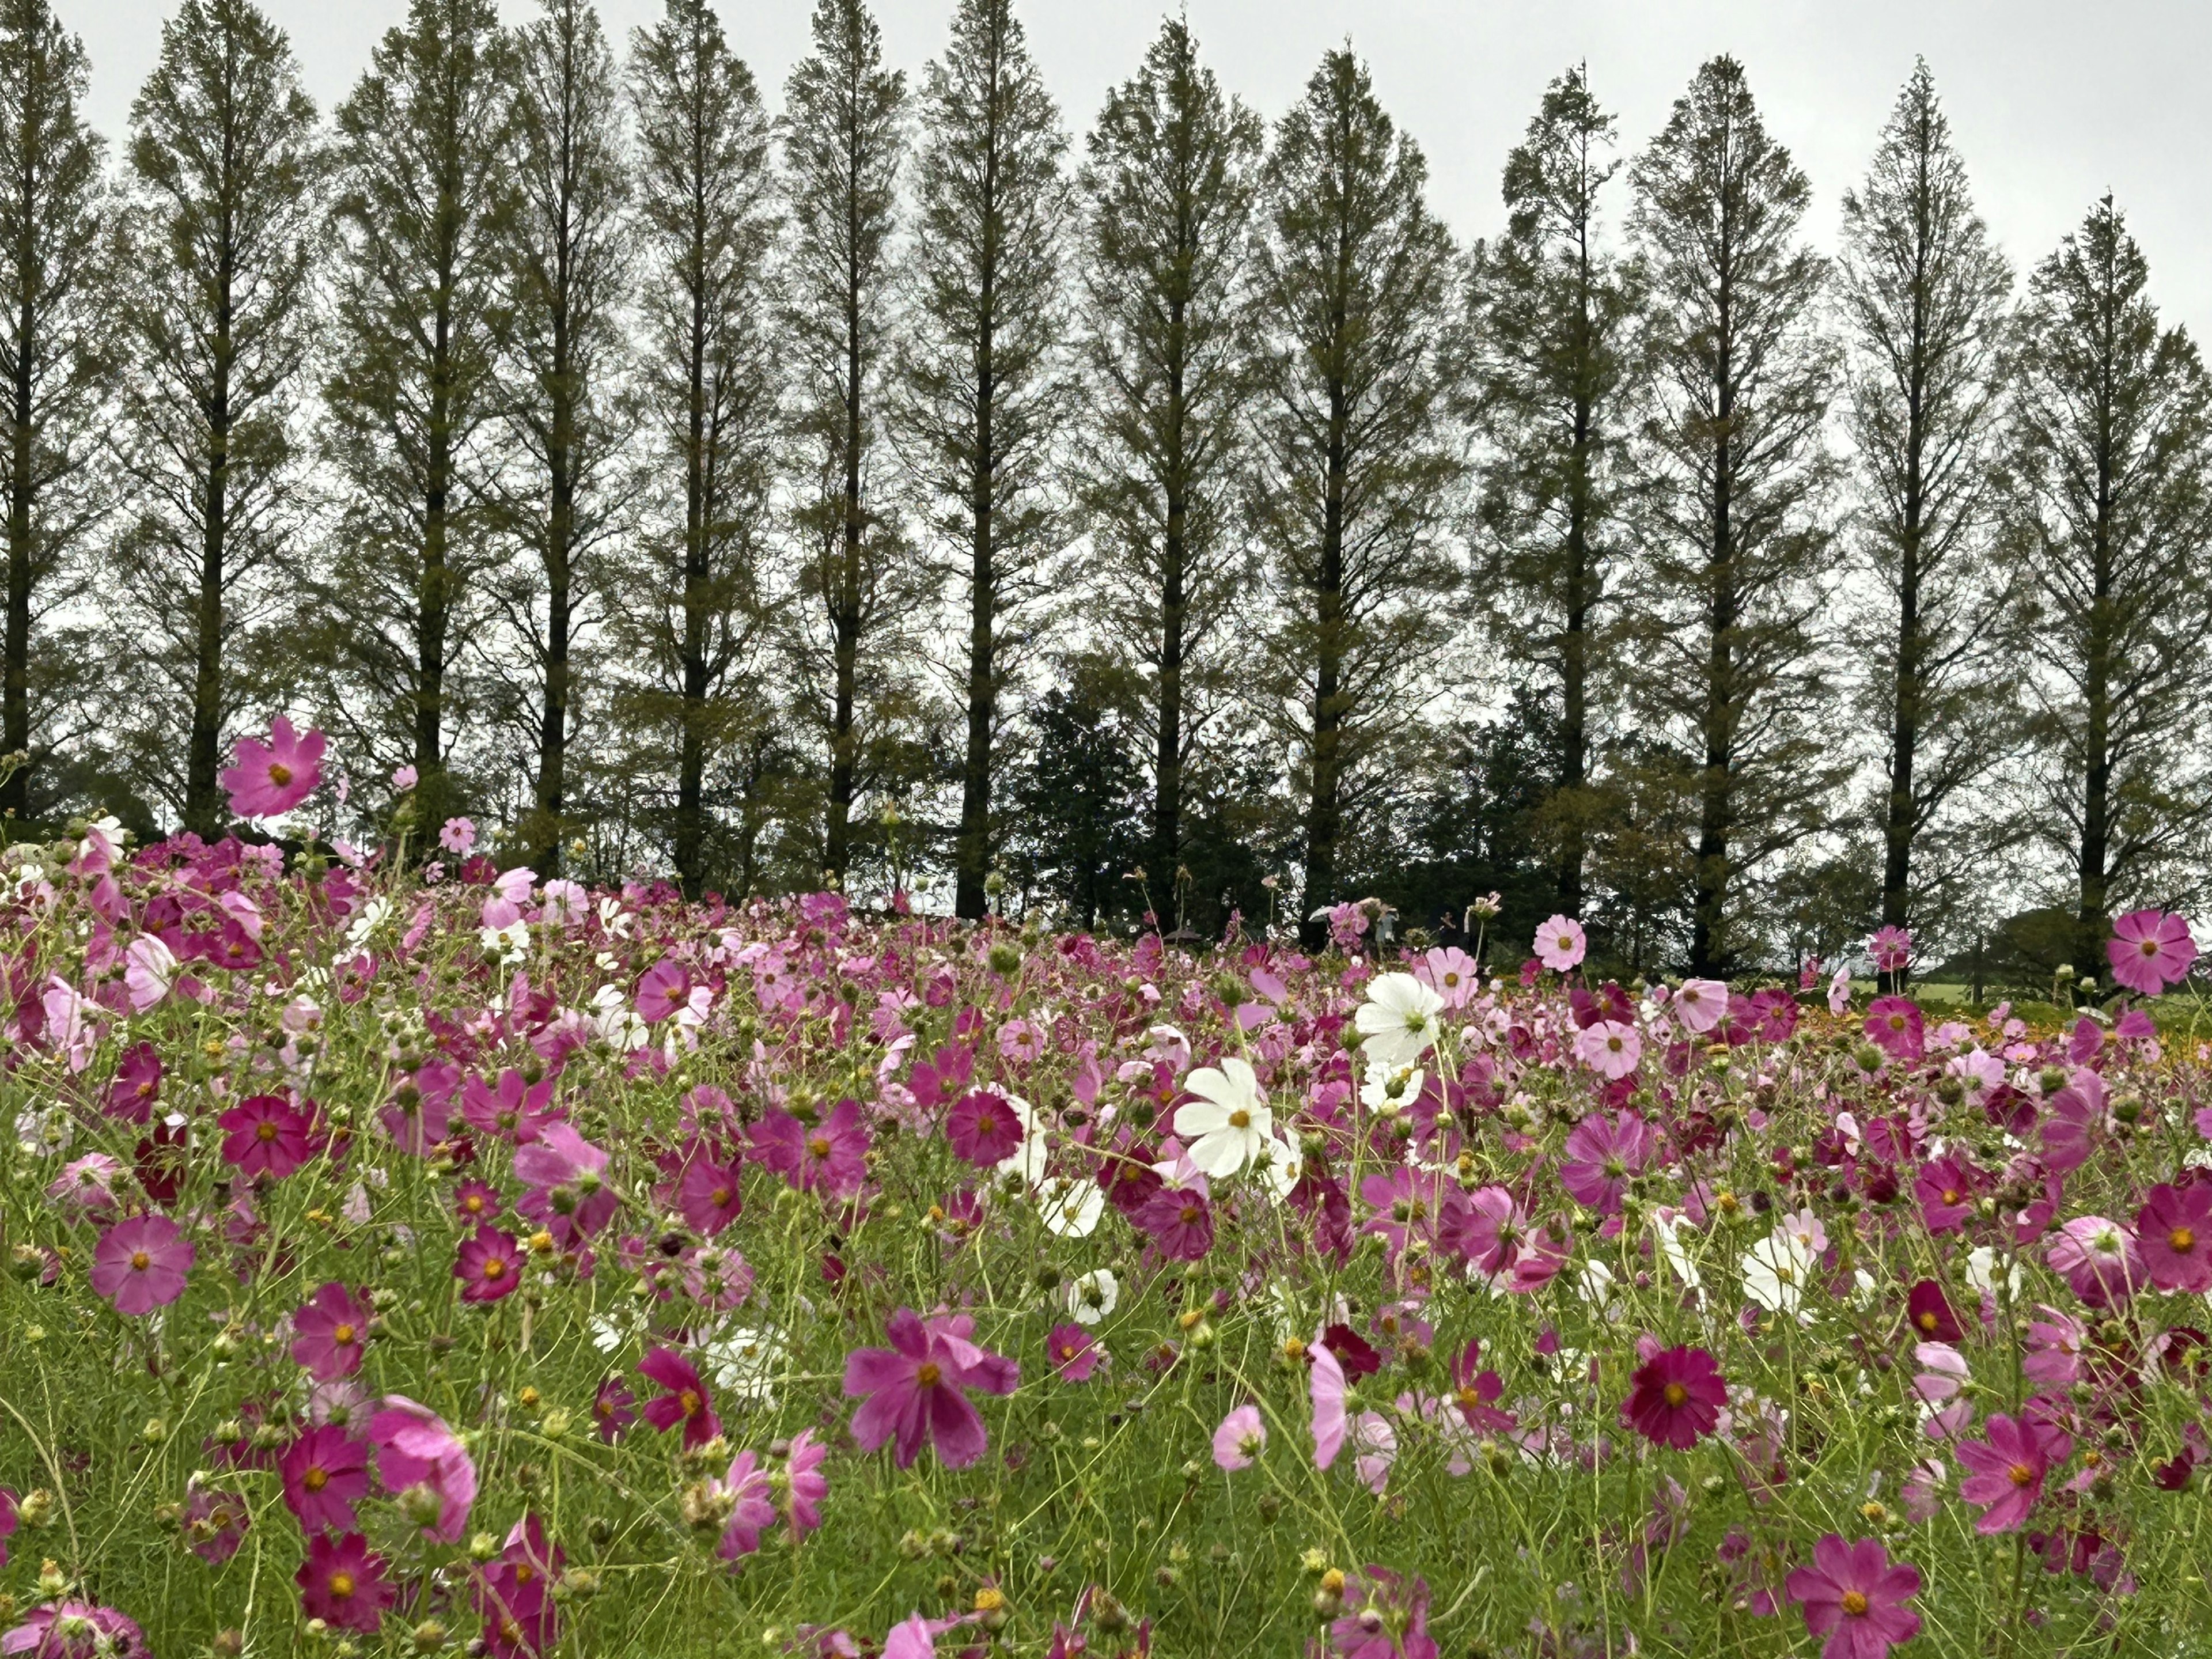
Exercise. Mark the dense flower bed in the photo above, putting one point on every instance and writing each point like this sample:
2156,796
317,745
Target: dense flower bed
413,1259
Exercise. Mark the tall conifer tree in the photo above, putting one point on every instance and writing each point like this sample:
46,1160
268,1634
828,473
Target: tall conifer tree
1353,295
984,393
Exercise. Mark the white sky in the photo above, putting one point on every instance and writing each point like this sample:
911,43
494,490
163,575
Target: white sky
2053,102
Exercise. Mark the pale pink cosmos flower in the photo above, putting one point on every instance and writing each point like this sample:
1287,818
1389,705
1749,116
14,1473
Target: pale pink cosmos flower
458,835
1451,973
149,970
1240,1440
1701,1004
1326,1385
1610,1048
1561,944
417,1453
2097,1258
142,1264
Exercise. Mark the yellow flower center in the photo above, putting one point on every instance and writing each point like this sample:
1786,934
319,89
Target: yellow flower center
689,1400
315,1480
280,774
1240,1119
1854,1603
140,1261
2181,1239
927,1373
267,1131
820,1145
2021,1475
343,1336
494,1268
342,1585
1674,1393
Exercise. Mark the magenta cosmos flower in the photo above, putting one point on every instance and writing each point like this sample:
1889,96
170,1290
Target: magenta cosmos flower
1601,1153
343,1583
330,1332
1853,1595
566,1180
1074,1352
752,1510
489,1264
266,1135
325,1471
2173,1235
802,1485
276,776
141,1264
2007,1467
915,1391
2150,950
1891,948
830,1156
984,1128
1675,1397
684,1398
1561,944
1894,1026
76,1630
1387,1618
424,1462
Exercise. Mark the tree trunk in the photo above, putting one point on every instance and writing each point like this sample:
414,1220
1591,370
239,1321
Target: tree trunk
691,758
1324,812
1708,949
845,604
15,713
203,802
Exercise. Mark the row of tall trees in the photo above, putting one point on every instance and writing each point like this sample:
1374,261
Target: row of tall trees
1188,522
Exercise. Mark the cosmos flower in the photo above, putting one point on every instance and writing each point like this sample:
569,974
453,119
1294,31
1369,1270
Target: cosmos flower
684,1398
2006,1467
1397,1024
1561,944
2149,951
1229,1124
142,1264
914,1393
330,1332
271,778
325,1472
1853,1597
343,1583
1675,1397
423,1461
1241,1438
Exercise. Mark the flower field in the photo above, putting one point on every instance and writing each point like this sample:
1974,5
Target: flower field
411,1259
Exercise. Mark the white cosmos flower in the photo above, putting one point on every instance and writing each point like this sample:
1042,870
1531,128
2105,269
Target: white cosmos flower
1279,1166
1983,1275
1092,1296
1594,1286
1391,1089
748,1362
1669,1230
1398,1020
1228,1125
510,944
1071,1208
1775,1272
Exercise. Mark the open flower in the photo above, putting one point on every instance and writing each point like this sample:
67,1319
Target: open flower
272,778
1561,944
1698,1005
2006,1469
1240,1440
325,1471
141,1264
2173,1235
343,1583
684,1398
329,1333
1675,1397
1397,1024
916,1391
2150,950
1853,1597
425,1462
489,1264
1229,1124
1609,1047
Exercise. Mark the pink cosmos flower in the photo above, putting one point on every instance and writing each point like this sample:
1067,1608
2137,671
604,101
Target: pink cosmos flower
565,1175
2007,1467
214,1522
1074,1352
611,1412
1599,1157
458,835
1181,1222
2055,1346
1894,1025
2150,950
141,1264
512,1109
665,990
745,1488
149,972
513,1593
914,1391
138,1085
489,1264
1451,973
685,1398
343,1583
1699,1005
266,1135
1386,1617
329,1331
805,1486
476,1201
404,777
1240,1439
1609,1047
76,1629
1891,949
2173,1234
86,1185
984,1128
423,1461
1325,1382
1928,1312
708,1193
1561,944
272,778
325,1471
2097,1258
1945,1187
1852,1595
830,1158
1675,1397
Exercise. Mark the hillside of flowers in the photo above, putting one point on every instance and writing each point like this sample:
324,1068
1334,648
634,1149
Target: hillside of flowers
411,1257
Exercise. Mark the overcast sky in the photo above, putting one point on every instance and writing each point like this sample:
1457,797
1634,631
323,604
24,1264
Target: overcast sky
2053,102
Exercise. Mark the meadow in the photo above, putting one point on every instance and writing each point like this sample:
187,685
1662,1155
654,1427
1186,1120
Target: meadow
415,1256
